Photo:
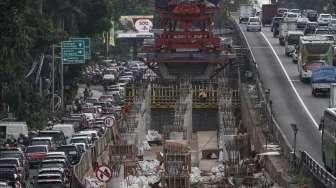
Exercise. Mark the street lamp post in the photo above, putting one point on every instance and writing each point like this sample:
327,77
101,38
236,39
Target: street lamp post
295,130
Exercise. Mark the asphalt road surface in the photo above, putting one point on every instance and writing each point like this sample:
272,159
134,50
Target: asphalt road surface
292,99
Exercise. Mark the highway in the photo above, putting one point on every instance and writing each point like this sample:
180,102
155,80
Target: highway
292,100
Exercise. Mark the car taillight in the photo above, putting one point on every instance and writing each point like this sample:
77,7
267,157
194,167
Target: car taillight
17,184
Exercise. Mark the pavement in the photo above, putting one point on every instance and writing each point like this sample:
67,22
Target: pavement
292,99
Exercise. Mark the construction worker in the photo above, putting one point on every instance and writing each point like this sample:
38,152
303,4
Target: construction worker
203,95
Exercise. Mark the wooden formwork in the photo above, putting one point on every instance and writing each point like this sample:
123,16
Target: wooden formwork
175,146
128,151
177,163
129,168
181,181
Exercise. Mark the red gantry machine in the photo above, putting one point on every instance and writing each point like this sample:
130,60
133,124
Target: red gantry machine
186,43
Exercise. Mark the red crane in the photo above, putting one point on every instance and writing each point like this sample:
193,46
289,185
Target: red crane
187,42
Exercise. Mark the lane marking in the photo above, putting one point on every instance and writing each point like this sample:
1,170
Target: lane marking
291,83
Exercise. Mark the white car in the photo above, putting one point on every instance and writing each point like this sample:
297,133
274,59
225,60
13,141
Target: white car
324,19
291,17
81,139
253,24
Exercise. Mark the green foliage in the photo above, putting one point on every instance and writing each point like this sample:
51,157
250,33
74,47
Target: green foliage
131,7
96,21
29,27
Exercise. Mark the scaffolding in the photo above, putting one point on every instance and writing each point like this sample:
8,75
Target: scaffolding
176,150
165,94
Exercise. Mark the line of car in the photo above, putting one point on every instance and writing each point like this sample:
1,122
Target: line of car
54,150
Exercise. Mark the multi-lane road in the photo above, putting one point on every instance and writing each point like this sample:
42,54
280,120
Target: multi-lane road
292,100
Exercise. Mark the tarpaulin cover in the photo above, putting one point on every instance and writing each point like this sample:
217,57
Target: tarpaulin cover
325,74
214,2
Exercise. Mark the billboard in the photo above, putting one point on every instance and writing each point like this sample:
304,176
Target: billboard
137,26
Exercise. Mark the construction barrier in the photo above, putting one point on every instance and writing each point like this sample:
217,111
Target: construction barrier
90,159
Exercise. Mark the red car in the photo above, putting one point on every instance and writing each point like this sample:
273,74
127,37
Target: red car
35,154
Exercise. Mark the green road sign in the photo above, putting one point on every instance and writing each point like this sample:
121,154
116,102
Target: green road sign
73,52
87,43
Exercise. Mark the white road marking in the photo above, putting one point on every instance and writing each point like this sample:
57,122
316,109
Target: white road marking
290,82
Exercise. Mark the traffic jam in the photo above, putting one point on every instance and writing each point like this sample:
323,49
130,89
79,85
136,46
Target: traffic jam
45,157
308,38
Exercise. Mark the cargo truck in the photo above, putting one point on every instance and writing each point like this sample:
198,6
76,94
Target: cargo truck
245,12
314,52
269,11
284,27
322,79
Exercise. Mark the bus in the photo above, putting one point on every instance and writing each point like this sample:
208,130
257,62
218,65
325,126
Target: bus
328,127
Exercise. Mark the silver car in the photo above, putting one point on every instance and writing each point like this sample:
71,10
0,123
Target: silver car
254,24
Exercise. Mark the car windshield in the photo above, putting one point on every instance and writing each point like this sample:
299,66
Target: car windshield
254,19
69,149
325,16
52,165
36,149
78,140
293,39
89,110
8,161
49,185
320,31
40,142
54,157
91,100
254,23
11,155
55,135
292,15
49,176
50,171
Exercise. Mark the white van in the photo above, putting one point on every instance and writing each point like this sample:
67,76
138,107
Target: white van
13,129
68,130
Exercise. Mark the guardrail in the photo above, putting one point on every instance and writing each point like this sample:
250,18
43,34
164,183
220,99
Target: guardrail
308,163
263,100
317,170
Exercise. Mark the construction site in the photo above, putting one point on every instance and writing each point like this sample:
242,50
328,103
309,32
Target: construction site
185,129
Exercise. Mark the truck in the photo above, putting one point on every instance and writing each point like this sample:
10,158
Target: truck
245,12
269,11
322,79
314,52
284,27
292,41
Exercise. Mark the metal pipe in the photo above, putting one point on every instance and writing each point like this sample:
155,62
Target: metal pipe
53,80
62,82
